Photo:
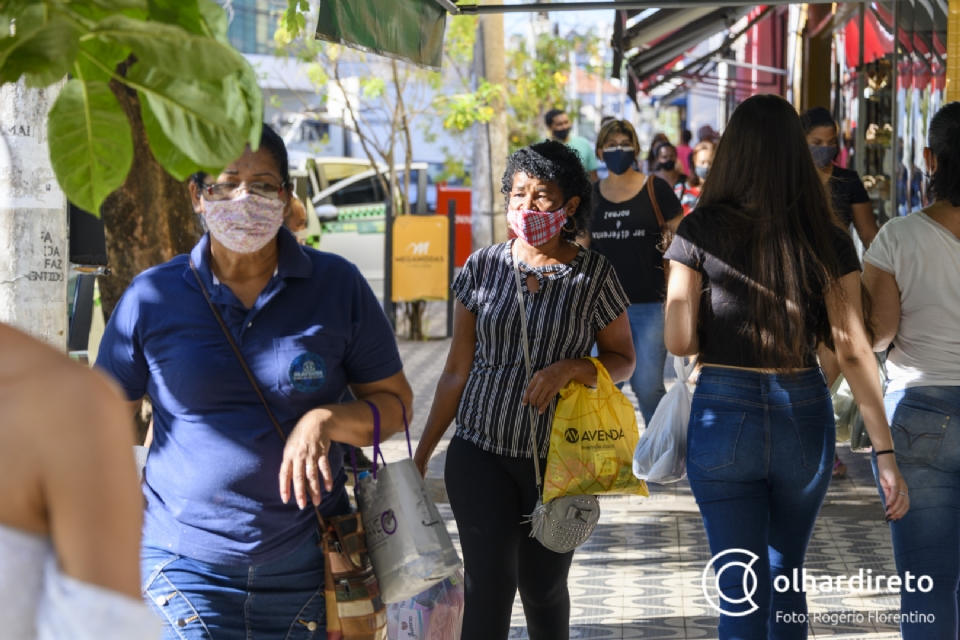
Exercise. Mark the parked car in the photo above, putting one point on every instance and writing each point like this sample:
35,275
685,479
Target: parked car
346,208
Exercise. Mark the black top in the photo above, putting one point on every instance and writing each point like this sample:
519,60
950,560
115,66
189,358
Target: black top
574,302
627,234
721,329
847,190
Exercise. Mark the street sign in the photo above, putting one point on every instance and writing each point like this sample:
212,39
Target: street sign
421,258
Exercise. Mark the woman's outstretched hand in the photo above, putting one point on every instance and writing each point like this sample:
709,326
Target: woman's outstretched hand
306,459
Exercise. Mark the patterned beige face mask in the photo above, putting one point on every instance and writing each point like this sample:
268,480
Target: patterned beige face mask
245,224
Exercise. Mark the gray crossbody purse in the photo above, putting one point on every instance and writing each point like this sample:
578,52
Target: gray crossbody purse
564,523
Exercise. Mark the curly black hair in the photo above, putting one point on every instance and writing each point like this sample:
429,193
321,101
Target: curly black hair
558,163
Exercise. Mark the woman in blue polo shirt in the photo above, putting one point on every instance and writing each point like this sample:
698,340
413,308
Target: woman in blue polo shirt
226,553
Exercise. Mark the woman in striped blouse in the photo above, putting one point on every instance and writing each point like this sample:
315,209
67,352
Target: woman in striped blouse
573,300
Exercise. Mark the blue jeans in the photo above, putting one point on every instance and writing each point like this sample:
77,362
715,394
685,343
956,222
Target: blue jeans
926,436
646,327
279,600
760,450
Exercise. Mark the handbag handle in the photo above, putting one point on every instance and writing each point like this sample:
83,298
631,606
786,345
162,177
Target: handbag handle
246,369
526,361
377,451
656,205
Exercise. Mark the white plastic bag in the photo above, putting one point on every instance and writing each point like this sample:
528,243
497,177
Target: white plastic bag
409,546
661,454
408,542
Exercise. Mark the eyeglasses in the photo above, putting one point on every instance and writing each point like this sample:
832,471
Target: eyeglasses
231,190
619,147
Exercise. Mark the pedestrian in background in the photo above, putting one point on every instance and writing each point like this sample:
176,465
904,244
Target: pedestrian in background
572,301
850,200
226,554
684,151
758,272
627,232
706,133
851,204
649,165
912,270
70,508
668,168
702,159
559,126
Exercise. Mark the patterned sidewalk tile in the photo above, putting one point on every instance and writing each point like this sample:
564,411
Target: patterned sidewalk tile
639,575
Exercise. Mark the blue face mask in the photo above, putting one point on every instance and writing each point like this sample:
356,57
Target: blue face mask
620,161
823,156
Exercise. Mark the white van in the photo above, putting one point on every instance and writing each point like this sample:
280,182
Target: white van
346,209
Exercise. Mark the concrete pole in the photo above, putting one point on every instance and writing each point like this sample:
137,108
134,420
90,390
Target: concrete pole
33,218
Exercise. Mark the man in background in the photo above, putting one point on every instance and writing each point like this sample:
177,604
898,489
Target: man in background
558,123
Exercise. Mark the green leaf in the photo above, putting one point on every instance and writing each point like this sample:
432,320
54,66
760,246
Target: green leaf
208,122
215,19
118,5
165,151
106,53
172,48
43,51
373,88
177,12
91,146
253,99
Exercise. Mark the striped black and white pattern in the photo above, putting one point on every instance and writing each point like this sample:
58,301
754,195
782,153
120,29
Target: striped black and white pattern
574,302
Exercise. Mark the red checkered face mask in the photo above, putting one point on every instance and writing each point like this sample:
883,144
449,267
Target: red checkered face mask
536,227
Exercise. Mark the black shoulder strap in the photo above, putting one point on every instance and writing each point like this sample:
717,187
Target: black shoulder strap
243,363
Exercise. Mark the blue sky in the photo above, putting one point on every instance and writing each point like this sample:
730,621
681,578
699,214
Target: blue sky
568,20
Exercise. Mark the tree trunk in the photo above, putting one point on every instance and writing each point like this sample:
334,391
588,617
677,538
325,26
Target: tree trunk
33,218
148,220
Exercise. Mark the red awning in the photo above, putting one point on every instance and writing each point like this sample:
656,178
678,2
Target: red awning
877,43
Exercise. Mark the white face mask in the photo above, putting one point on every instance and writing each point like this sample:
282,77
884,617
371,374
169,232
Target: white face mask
245,224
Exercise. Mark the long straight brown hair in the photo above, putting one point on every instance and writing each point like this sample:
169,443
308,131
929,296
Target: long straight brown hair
781,225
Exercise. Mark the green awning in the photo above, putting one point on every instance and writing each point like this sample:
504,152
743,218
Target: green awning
409,30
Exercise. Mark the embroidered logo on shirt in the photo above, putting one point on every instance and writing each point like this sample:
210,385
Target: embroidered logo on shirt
307,372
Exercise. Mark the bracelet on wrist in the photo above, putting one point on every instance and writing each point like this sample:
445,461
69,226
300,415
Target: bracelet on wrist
880,453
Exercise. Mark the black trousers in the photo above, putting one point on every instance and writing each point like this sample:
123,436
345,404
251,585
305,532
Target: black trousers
490,495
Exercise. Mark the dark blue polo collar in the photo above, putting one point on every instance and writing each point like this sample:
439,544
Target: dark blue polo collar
292,261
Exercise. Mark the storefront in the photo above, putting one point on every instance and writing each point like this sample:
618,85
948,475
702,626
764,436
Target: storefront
888,76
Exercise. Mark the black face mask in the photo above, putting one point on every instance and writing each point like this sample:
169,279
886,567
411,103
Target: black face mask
619,162
668,165
561,134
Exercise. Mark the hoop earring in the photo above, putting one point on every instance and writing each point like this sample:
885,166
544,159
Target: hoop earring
576,227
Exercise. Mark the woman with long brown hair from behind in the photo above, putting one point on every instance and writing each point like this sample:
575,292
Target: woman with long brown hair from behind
759,272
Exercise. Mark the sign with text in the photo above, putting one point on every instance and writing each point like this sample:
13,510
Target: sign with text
421,258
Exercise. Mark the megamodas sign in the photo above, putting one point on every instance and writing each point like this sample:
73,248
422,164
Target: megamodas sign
421,258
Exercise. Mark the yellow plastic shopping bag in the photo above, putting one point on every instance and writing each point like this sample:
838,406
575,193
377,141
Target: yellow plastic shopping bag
592,440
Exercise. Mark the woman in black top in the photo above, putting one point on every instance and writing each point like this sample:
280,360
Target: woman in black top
626,231
851,203
850,199
758,272
572,301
